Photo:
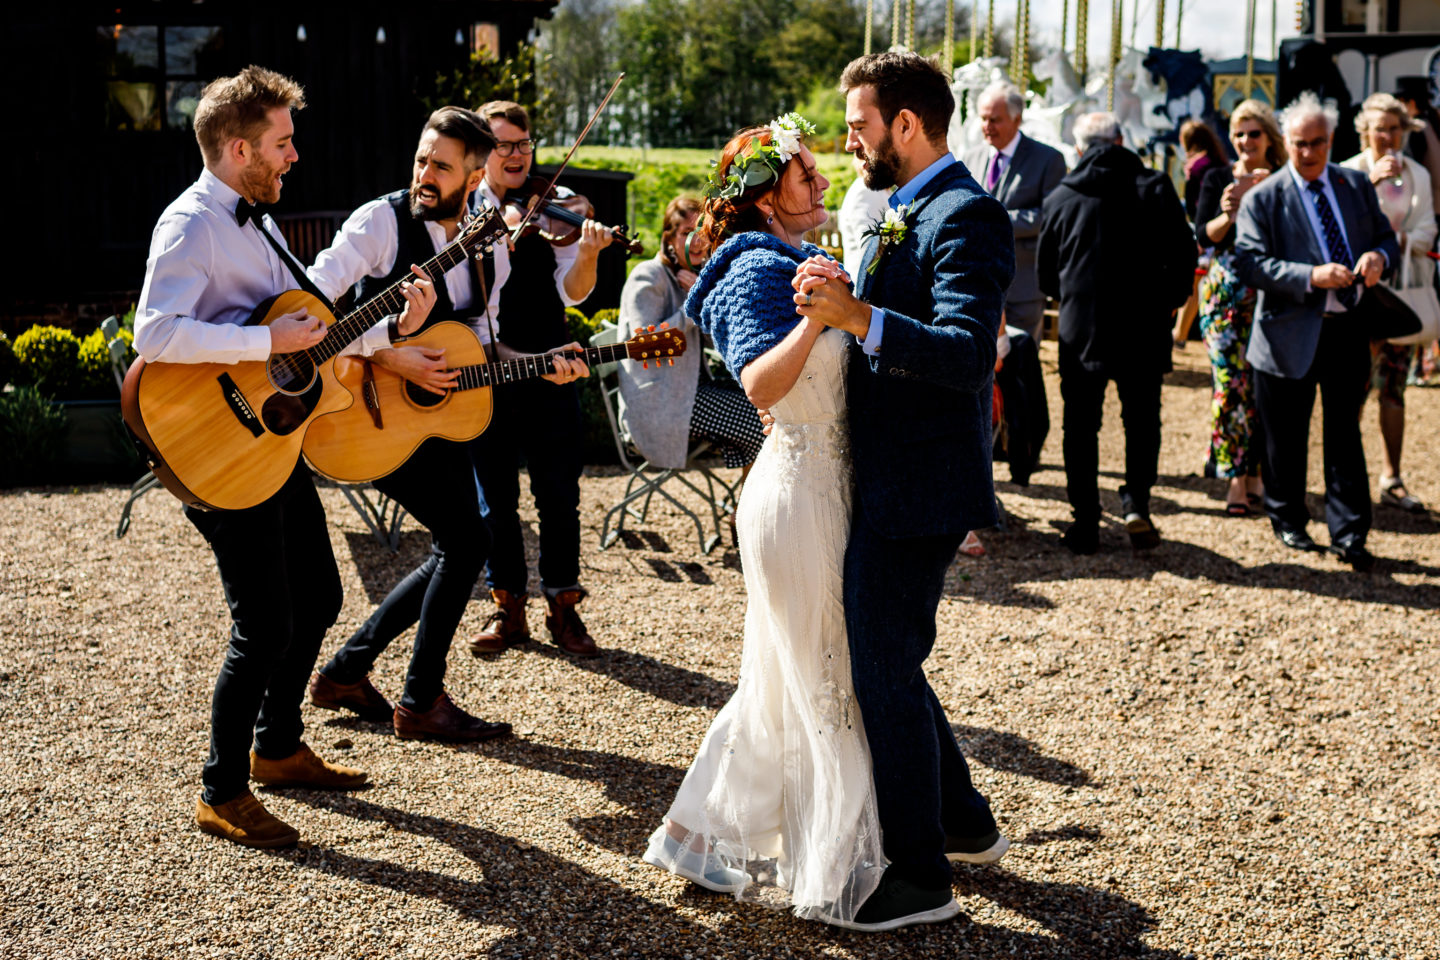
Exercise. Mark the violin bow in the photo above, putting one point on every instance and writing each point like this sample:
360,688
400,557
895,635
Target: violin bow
570,153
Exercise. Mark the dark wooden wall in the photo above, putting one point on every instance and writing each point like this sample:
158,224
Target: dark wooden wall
84,200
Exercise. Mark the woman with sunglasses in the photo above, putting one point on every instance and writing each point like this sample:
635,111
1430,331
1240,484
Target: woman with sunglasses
667,410
1227,307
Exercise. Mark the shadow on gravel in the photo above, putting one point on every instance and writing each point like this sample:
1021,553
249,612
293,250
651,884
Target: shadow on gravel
554,908
688,688
1012,753
1060,835
379,569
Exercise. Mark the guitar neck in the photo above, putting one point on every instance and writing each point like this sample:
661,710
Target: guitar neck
530,367
392,300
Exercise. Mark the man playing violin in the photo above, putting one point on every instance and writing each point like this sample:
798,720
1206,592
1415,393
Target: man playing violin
537,421
436,484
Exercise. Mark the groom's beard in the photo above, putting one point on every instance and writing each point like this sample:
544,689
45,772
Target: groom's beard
882,170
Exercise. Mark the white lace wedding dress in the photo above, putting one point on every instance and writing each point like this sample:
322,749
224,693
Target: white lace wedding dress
781,788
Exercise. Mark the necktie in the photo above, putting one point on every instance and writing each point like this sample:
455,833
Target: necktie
1334,239
992,179
245,210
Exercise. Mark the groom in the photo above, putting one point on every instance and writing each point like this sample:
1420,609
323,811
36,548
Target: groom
919,388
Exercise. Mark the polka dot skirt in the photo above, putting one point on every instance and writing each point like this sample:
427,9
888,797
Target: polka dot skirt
729,421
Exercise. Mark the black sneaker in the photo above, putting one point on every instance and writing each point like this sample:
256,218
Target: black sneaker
983,849
1082,539
898,903
1143,535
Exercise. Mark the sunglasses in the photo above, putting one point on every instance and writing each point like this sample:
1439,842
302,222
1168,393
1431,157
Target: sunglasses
1247,134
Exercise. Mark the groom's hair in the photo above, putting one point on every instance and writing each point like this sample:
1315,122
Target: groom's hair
904,81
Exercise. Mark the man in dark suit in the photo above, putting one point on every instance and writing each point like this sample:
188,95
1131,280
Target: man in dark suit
1305,237
919,391
1117,251
1020,173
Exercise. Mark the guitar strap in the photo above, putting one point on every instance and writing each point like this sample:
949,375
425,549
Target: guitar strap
297,271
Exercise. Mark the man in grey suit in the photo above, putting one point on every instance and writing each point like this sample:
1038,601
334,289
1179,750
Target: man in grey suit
1305,237
1020,173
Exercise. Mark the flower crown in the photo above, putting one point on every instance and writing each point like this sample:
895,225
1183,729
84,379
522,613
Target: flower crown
761,162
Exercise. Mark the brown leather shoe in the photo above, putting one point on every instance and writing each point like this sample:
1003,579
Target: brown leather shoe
566,628
361,699
505,628
445,721
244,821
303,769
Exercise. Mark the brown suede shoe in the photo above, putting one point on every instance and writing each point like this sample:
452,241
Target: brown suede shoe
361,699
246,822
303,769
566,628
445,721
505,628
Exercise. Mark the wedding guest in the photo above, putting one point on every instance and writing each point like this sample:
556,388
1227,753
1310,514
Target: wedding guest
1203,153
1227,307
1423,146
1403,188
1116,297
665,410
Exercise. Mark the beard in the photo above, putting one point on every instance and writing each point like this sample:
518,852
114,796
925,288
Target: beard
882,169
258,180
444,208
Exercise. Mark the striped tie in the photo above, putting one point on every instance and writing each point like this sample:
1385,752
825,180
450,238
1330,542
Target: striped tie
1334,239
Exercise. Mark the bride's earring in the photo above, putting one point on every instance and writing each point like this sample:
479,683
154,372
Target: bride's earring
770,219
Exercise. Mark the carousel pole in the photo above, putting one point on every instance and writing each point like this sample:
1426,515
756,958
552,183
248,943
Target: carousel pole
1117,34
1179,15
910,25
974,30
894,23
1274,25
1249,48
1064,22
869,25
1082,39
1023,77
1160,23
949,49
990,30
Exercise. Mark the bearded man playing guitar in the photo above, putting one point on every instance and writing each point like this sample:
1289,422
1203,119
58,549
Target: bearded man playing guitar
533,420
213,257
436,485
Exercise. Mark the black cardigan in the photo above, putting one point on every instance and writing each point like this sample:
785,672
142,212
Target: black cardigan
1207,208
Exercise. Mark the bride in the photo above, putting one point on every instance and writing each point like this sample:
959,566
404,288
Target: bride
779,803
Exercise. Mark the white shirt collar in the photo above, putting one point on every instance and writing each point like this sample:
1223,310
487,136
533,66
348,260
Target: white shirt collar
1303,184
218,190
1009,149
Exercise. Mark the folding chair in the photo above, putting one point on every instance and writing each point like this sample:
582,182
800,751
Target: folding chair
646,480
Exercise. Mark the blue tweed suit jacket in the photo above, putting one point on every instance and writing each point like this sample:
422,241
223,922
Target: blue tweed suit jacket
920,410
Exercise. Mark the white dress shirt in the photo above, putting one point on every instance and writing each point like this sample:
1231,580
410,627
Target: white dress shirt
1312,213
366,246
565,258
204,276
1008,152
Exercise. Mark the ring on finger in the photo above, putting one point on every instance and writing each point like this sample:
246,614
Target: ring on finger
809,300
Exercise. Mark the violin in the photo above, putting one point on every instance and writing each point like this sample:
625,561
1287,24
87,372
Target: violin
558,218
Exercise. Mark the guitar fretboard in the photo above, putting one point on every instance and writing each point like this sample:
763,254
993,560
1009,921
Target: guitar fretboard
529,367
391,300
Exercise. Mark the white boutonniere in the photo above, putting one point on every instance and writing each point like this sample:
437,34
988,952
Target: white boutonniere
891,231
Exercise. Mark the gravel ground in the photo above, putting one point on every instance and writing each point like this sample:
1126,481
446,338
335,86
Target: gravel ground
1221,749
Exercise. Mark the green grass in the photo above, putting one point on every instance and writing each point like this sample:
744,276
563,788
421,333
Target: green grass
661,174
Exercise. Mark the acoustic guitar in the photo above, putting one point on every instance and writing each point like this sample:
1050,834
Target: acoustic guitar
374,437
225,436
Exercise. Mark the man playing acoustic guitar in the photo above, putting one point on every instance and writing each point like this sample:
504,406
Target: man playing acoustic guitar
436,485
213,258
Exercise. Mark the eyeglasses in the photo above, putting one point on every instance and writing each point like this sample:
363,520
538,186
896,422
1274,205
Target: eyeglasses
1315,144
1247,134
506,147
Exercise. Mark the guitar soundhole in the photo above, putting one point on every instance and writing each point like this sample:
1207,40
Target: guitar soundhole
422,397
284,414
291,373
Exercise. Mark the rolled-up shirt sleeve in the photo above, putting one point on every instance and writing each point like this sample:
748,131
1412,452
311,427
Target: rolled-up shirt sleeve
177,273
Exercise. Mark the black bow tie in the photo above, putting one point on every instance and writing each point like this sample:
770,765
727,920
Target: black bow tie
245,210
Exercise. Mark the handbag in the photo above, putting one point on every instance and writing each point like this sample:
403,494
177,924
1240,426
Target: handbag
1422,300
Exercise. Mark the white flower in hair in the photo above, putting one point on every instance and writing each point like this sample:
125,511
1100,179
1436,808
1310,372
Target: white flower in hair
786,133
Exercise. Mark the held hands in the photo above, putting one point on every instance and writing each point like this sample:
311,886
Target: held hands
419,298
830,303
291,332
567,369
422,366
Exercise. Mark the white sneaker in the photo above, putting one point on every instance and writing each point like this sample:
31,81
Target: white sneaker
702,869
986,849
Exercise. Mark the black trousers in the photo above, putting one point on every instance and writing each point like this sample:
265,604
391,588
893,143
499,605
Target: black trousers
283,588
537,422
1083,393
1341,371
437,487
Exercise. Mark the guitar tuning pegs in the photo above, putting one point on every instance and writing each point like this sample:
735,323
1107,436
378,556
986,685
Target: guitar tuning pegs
672,362
645,365
663,325
651,328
